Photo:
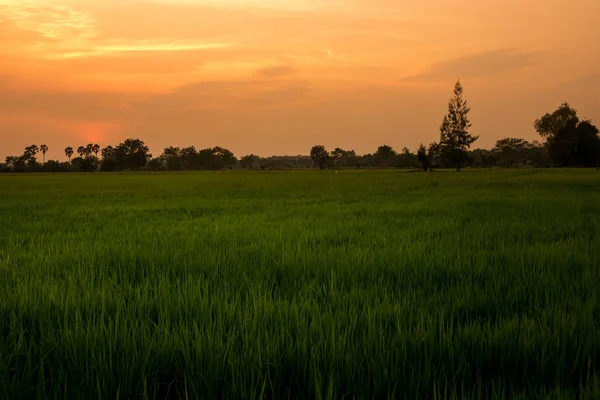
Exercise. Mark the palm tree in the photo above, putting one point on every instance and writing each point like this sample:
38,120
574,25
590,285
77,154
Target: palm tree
89,149
10,161
44,149
31,151
69,153
96,149
107,152
81,151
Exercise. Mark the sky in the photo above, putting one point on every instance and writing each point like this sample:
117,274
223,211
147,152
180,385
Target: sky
279,76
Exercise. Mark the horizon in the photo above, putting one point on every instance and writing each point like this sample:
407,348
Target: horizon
265,77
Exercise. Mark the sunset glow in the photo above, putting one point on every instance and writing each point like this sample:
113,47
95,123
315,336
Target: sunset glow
278,76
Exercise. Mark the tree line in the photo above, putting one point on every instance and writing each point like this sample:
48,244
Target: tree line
566,141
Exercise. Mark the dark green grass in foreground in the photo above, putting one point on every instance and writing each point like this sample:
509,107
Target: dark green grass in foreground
479,284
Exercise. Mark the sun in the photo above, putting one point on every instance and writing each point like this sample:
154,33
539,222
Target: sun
93,132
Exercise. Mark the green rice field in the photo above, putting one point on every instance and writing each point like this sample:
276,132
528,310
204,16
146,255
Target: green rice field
301,284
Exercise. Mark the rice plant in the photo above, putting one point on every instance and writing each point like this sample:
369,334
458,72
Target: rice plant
300,284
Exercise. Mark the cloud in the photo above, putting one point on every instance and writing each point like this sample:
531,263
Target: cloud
138,64
248,94
11,33
589,82
133,48
478,65
188,101
275,71
51,21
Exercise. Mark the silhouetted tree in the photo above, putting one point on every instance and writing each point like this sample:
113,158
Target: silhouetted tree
69,153
341,158
216,158
250,161
10,161
226,157
29,160
336,157
406,159
77,164
44,150
537,154
109,159
484,158
349,158
110,165
156,164
570,142
320,156
512,151
19,165
190,158
132,154
89,149
433,152
107,152
30,152
575,144
549,124
422,158
172,157
52,166
385,157
455,138
81,151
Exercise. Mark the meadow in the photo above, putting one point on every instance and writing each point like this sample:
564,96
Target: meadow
301,284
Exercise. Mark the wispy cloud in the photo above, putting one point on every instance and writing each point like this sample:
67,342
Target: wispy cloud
52,21
275,71
478,65
141,47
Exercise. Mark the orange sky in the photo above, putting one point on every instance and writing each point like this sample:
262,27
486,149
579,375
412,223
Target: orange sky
278,76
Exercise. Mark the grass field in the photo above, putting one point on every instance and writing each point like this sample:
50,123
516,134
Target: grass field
301,284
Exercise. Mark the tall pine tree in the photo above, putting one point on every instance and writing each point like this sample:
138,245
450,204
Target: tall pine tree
455,138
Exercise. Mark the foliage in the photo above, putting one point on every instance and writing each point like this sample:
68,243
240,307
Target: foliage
433,153
44,150
341,158
250,161
190,159
408,160
570,141
549,124
156,164
216,158
69,153
321,157
132,154
172,158
30,152
109,164
56,166
385,157
575,144
423,158
455,138
107,152
512,151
